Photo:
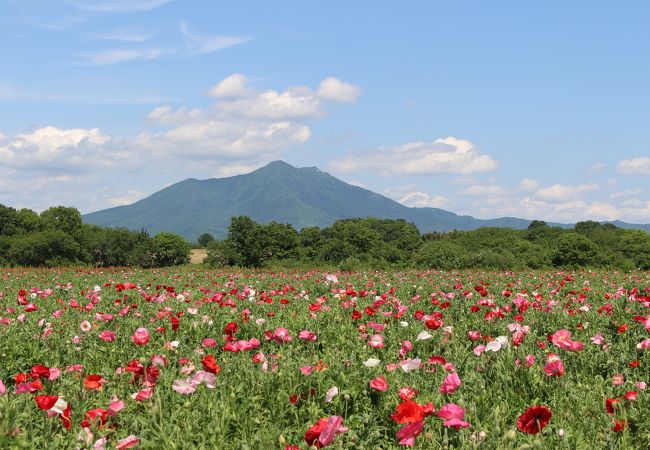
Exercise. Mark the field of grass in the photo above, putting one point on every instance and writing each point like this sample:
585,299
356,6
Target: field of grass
190,358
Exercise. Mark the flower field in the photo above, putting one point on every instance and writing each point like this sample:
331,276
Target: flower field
188,358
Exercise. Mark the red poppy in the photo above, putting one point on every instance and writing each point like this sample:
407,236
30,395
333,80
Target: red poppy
313,433
610,405
619,426
46,402
534,419
210,364
40,371
231,328
65,417
93,382
97,416
409,412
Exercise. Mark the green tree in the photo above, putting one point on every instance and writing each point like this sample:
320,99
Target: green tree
441,254
45,248
221,254
170,249
62,218
575,250
205,239
9,225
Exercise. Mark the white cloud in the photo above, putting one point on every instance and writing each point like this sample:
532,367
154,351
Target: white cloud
449,155
209,139
117,5
209,44
130,196
410,195
635,166
597,167
191,45
562,192
419,199
239,168
484,190
528,184
627,194
114,56
358,184
124,36
237,99
54,149
335,90
230,87
165,115
92,170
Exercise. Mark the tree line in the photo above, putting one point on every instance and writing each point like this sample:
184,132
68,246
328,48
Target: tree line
58,237
382,244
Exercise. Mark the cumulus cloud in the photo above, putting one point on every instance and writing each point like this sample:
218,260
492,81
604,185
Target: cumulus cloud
597,167
238,99
448,155
166,116
243,123
128,197
410,195
335,90
230,87
209,139
561,192
239,168
627,194
484,190
358,183
95,170
55,149
528,184
635,166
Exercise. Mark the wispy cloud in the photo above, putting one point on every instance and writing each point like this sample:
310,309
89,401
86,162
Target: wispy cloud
208,44
117,5
114,56
124,36
194,45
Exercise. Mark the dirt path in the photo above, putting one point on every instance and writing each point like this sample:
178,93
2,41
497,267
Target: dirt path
197,255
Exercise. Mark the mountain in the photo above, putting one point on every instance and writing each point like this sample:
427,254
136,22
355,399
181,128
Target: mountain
278,191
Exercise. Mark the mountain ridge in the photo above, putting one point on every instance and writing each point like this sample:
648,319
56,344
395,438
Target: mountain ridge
281,192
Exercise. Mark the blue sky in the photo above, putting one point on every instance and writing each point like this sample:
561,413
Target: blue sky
529,109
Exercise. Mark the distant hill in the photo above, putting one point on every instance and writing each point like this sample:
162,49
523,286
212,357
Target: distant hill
278,191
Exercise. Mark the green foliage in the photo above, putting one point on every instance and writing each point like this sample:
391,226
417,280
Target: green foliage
382,243
205,239
45,248
575,250
57,237
170,249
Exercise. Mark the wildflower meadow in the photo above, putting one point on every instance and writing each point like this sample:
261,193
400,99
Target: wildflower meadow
190,358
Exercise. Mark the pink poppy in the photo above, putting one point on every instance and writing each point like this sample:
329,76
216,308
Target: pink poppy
108,336
450,384
554,366
409,432
376,341
141,336
379,384
128,442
